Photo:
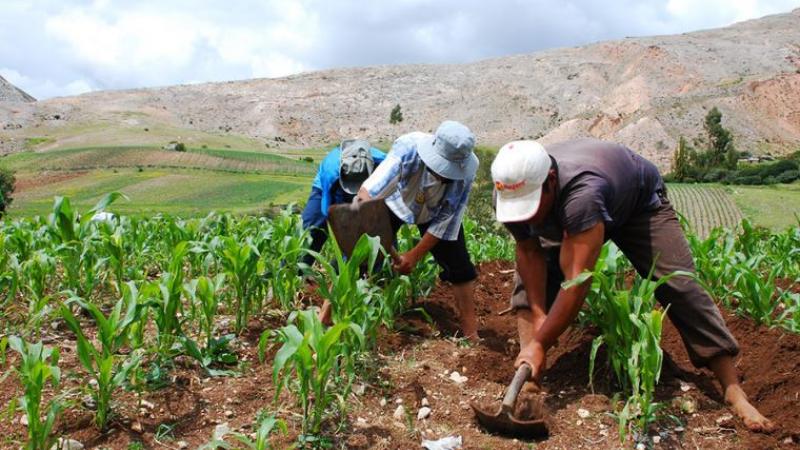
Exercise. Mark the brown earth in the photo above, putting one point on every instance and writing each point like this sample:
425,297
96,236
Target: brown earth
415,363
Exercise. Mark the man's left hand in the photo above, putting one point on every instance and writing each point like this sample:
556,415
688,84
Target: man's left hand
404,264
534,355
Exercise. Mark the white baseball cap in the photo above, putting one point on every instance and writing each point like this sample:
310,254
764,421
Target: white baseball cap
519,170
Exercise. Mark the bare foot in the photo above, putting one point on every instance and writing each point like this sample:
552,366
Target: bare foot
752,419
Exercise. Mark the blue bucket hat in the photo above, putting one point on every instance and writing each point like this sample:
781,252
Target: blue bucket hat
449,153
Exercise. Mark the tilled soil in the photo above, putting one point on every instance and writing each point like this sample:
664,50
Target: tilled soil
417,363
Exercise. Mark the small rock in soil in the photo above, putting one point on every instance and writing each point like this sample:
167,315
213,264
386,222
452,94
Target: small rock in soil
23,421
399,413
656,439
67,444
583,414
424,402
788,440
458,378
88,402
423,413
229,414
136,427
685,387
147,404
383,402
93,384
361,423
183,444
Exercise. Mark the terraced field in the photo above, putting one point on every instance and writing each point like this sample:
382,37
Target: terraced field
705,207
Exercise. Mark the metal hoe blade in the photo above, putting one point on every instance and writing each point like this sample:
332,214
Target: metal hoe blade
504,421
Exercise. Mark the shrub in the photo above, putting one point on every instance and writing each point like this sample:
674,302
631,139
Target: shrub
788,176
777,168
748,180
7,181
180,147
715,175
396,116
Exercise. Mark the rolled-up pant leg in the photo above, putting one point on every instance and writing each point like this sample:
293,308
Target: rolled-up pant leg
657,236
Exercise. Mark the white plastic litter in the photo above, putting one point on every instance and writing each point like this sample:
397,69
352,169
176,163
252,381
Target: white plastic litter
447,443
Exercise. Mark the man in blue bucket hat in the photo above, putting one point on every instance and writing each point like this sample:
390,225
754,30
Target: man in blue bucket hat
425,180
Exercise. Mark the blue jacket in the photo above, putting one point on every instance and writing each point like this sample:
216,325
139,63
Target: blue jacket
328,174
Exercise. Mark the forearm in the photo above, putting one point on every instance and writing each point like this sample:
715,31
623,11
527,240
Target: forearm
425,245
563,312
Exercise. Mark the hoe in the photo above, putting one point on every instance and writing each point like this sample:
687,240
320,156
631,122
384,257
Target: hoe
508,421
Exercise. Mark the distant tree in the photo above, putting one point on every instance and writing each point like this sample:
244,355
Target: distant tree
681,161
396,116
7,181
731,156
720,140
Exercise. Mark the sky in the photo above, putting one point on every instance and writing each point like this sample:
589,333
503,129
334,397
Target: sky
53,48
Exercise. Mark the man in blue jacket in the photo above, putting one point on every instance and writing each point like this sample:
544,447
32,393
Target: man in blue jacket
338,180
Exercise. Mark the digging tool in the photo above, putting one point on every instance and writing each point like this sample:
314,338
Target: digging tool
505,422
371,217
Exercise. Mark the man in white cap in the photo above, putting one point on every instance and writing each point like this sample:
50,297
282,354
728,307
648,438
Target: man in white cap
561,204
425,180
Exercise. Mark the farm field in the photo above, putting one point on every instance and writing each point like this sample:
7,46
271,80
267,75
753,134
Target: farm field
172,333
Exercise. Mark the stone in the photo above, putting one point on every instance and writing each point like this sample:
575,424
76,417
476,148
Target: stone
424,402
458,378
383,402
147,404
656,439
229,414
182,444
583,414
423,413
88,402
67,444
23,421
399,413
136,427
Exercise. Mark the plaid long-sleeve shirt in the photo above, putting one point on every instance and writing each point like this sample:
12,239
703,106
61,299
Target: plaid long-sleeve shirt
412,192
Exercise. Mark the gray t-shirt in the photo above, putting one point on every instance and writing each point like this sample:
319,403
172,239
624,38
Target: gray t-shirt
597,180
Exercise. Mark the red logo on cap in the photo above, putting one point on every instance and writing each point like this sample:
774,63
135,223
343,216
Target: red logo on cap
500,186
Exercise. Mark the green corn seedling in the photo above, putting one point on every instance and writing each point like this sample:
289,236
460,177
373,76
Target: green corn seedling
37,368
313,355
105,364
204,292
240,262
265,427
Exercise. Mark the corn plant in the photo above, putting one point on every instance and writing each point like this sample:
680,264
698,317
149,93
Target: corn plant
166,305
314,356
240,261
37,273
105,364
37,368
353,298
631,330
74,237
755,296
265,426
205,293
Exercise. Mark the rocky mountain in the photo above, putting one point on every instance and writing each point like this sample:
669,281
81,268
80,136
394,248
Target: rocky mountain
644,92
11,93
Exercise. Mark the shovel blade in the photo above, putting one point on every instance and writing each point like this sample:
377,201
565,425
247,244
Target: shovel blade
506,424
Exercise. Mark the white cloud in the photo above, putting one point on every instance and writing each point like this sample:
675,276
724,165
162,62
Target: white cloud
63,47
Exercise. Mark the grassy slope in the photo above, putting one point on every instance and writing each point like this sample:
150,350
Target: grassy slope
770,206
178,191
